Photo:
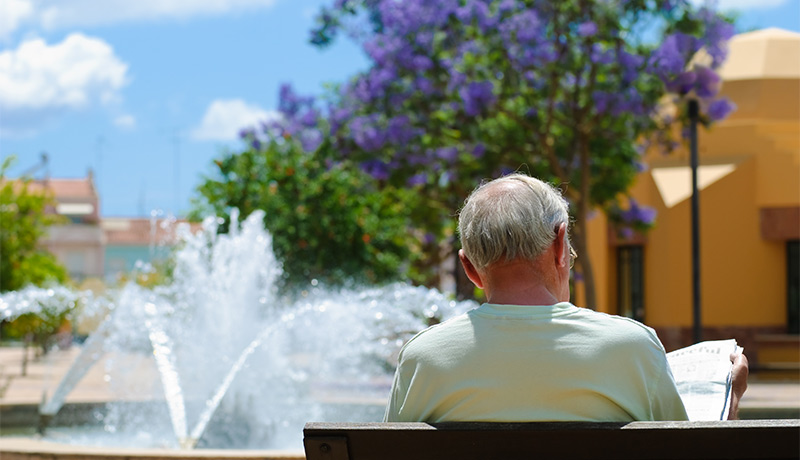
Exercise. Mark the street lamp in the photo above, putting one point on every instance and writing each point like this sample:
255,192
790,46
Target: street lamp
694,114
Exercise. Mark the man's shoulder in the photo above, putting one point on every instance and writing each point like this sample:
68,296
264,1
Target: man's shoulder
438,334
620,327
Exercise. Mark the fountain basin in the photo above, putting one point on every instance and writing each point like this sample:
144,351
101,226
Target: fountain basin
26,448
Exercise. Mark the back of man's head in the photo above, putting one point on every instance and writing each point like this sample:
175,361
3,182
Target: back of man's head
513,217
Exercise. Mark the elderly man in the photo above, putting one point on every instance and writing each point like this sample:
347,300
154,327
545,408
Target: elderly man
528,354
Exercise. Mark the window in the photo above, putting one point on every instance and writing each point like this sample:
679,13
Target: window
76,264
793,286
630,281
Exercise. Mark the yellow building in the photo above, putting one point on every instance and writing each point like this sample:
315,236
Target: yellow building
749,180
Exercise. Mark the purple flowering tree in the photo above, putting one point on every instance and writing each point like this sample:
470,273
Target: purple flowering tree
570,91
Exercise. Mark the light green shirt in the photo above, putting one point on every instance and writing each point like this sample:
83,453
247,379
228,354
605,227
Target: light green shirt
534,363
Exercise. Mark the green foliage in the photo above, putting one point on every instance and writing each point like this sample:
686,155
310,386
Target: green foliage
328,222
23,221
41,327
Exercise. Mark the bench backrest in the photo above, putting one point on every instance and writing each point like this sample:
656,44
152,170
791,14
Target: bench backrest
738,439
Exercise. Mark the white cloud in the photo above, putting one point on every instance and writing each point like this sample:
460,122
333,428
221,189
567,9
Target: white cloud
60,14
224,118
12,14
125,121
38,81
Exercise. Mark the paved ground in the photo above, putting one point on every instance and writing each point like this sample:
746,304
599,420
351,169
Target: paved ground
142,382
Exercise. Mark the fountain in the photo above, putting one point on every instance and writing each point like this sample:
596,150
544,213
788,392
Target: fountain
239,365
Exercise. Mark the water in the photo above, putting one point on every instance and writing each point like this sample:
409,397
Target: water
239,366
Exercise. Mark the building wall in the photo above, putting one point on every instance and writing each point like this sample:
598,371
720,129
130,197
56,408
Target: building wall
122,259
747,215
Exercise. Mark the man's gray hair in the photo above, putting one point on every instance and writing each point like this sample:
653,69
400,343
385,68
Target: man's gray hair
515,216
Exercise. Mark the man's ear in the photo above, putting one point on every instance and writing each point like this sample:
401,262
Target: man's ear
470,270
559,246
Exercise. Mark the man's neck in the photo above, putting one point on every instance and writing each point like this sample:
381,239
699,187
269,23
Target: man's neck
520,283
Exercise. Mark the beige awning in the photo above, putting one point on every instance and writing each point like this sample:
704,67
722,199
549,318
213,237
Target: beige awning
675,183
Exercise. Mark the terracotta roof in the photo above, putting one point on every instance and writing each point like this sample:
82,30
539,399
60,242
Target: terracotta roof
64,188
139,231
72,188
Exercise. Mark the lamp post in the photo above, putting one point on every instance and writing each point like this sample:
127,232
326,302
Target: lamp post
694,112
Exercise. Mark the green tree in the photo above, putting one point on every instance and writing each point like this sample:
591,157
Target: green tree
328,222
23,222
24,219
462,90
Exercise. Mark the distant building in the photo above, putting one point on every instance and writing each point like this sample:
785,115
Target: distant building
129,241
78,243
91,246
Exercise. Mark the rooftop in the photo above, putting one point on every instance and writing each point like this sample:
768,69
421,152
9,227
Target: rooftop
763,54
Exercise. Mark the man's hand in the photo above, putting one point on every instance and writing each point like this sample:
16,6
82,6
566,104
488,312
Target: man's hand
739,375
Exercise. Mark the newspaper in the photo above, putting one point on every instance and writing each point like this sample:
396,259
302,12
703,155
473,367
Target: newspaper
703,374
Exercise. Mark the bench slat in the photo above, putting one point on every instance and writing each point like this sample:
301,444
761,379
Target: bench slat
740,439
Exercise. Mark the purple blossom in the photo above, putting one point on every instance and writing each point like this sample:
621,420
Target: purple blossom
479,150
309,119
521,28
477,97
506,6
670,58
338,118
599,55
424,39
417,159
469,47
374,84
683,83
631,66
448,154
310,139
424,86
638,214
719,109
400,131
289,103
477,11
417,179
366,134
626,233
456,80
707,83
376,168
718,32
587,29
603,101
504,171
420,63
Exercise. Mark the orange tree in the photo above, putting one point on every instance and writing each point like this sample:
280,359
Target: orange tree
328,222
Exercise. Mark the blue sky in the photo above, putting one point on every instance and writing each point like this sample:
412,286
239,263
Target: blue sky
147,93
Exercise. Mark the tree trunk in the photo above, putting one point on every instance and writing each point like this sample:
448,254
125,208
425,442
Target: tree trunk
26,341
584,261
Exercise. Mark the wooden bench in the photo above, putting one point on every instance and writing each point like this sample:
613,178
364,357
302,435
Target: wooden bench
739,439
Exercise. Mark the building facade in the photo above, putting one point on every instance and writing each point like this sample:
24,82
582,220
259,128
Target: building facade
749,202
95,247
78,242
